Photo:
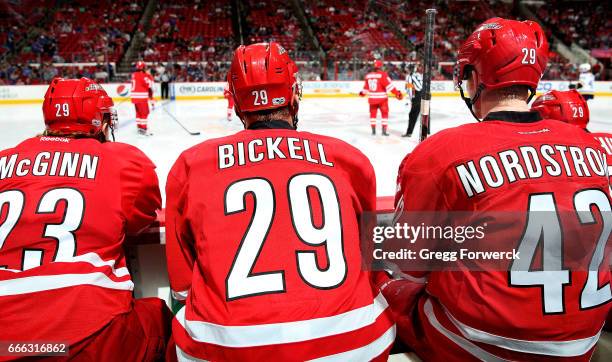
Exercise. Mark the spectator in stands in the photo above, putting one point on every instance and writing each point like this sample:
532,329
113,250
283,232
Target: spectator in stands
182,32
49,72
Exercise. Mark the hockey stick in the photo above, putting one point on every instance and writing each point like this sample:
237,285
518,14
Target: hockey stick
193,133
428,65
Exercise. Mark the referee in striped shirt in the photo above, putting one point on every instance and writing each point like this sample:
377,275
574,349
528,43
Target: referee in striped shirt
414,86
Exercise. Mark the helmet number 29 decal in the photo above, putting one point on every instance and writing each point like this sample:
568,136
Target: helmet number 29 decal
261,97
62,109
577,112
529,56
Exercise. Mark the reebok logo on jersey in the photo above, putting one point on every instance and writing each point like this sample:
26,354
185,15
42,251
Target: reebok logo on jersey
55,139
490,26
543,130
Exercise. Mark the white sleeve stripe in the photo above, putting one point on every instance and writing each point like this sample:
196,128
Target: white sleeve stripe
570,348
182,356
282,333
182,295
90,258
41,283
468,346
365,353
95,260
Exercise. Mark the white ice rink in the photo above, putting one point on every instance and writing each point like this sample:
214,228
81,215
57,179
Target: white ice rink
344,118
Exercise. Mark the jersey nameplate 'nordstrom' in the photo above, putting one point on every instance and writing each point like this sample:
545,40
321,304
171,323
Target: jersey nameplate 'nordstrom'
271,148
528,162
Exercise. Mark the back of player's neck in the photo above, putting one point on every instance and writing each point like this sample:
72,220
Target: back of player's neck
511,105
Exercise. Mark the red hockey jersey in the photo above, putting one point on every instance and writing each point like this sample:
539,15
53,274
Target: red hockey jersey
514,162
263,240
605,139
65,208
376,86
142,87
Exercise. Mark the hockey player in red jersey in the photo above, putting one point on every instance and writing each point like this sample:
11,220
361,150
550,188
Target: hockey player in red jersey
571,107
512,161
230,101
565,106
267,258
67,200
141,93
376,86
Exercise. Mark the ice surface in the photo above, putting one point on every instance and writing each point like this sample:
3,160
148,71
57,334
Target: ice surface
344,118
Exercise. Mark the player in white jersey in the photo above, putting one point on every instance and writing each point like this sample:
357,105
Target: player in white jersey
586,81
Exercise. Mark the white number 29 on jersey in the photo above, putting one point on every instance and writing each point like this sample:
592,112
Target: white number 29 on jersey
241,281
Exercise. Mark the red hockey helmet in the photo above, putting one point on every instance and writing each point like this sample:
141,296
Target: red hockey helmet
140,65
378,64
263,76
502,53
77,106
568,107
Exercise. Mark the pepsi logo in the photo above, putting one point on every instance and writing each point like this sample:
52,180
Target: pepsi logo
123,90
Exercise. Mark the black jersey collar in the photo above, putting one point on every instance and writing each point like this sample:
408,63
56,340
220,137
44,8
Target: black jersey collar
516,117
271,125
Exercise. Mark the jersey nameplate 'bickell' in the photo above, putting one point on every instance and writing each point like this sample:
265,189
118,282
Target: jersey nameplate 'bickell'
65,207
274,222
553,176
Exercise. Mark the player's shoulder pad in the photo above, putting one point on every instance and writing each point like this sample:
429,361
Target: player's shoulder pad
429,153
9,150
338,147
443,140
198,152
578,134
601,134
127,152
